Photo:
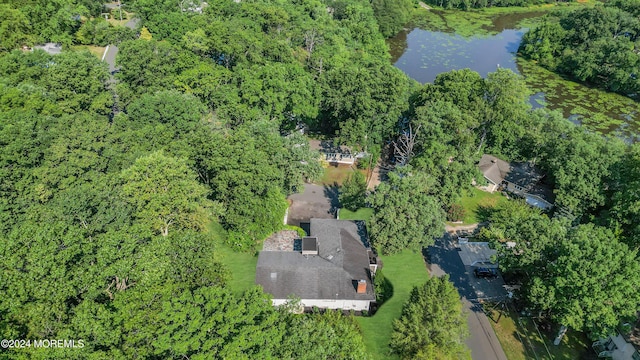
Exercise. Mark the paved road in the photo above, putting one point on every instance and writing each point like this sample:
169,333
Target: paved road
444,259
110,58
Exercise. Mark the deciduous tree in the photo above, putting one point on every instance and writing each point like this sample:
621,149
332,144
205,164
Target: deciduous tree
432,325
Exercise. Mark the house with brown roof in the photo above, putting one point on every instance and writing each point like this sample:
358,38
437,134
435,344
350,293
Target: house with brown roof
331,269
523,179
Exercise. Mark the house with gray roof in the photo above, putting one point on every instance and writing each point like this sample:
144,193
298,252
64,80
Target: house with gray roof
331,269
523,179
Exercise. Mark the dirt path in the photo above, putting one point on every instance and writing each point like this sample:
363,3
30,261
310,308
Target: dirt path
424,6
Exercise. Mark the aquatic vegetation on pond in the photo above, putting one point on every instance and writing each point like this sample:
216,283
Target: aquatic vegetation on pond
597,110
441,40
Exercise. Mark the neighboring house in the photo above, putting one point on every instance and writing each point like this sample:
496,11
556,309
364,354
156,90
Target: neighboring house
523,179
615,348
51,48
331,269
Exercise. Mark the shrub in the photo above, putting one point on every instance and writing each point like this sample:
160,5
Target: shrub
455,213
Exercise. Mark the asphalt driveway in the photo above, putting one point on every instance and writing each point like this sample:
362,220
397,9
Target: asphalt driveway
317,201
444,259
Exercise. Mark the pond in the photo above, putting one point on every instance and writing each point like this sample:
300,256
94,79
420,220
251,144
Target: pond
427,50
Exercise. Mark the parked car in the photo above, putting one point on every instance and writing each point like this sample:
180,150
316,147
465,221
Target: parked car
485,272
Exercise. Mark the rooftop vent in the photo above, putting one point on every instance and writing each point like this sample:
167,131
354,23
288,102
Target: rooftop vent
362,287
309,246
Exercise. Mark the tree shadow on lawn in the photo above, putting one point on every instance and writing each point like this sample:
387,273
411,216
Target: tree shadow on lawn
485,212
384,290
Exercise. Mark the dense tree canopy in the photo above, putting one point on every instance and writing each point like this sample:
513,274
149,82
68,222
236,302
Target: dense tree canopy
116,212
432,325
591,44
573,271
406,214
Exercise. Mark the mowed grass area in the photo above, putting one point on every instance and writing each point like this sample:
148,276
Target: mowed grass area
360,214
241,265
95,50
337,174
404,270
520,340
475,203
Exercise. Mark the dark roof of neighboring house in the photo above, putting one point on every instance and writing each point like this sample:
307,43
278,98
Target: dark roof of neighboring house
342,260
523,174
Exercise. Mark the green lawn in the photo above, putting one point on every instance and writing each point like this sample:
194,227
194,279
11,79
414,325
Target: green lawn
404,271
361,214
241,265
520,340
337,174
95,50
475,201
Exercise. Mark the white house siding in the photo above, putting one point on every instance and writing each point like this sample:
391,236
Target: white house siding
356,305
490,187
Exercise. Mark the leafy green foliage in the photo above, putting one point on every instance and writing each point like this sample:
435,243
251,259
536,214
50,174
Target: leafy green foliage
383,287
590,44
330,335
15,28
460,115
406,215
353,192
456,212
572,271
432,325
392,15
625,199
166,194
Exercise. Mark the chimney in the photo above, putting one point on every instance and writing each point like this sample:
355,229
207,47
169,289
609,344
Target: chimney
309,246
362,287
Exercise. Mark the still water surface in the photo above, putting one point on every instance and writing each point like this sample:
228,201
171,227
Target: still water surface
423,54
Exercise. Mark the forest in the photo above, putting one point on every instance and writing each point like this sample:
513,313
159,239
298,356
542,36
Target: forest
109,220
596,45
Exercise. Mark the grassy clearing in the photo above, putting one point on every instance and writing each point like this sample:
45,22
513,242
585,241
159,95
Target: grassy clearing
520,340
241,265
115,19
360,214
404,271
95,50
337,174
476,201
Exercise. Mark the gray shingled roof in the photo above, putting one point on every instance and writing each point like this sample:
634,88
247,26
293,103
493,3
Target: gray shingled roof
498,170
342,260
493,168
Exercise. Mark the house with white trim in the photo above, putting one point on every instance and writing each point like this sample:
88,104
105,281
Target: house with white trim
331,269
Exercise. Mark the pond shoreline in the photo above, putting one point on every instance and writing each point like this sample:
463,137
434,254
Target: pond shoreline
486,40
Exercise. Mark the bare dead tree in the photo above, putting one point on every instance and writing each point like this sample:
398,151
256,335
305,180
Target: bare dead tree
311,39
120,285
403,146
